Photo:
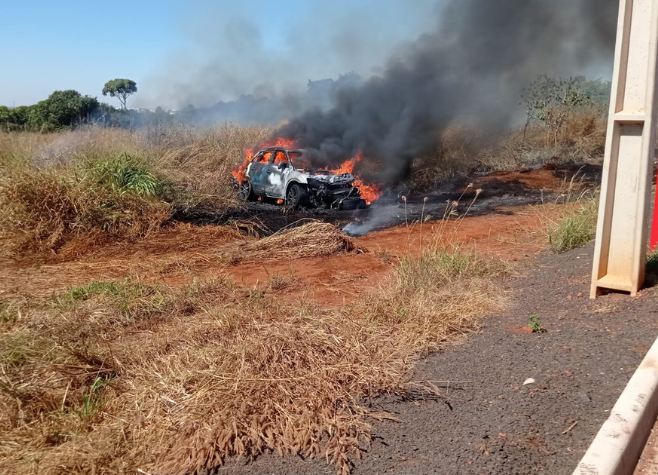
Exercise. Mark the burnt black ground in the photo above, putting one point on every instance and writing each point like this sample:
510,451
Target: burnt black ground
390,209
490,423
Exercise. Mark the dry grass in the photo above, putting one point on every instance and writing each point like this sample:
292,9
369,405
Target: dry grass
41,211
114,376
313,239
83,188
576,225
201,161
461,149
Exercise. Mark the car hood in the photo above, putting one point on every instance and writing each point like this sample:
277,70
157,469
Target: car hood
342,179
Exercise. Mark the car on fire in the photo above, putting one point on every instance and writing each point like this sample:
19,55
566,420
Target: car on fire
287,175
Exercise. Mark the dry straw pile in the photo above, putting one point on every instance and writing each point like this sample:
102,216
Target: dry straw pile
313,239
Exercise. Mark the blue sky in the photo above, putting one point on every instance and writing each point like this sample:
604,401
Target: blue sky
166,44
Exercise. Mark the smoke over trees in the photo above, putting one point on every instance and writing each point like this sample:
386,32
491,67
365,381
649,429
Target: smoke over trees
469,70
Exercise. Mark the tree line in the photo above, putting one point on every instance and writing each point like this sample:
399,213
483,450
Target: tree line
547,101
70,109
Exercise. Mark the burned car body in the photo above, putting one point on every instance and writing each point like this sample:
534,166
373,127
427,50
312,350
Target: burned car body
281,174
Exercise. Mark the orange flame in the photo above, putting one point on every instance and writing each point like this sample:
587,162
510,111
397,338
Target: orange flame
240,171
369,193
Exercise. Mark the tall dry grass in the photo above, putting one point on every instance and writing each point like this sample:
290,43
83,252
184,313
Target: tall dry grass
200,162
461,150
73,189
119,376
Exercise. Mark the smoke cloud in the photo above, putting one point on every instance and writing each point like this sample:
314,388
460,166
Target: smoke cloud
265,52
470,70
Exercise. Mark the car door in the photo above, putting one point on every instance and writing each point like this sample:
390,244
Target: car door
258,171
277,173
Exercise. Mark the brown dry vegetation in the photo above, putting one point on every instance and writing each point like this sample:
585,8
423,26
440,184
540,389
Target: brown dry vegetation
53,200
313,239
114,376
59,189
462,149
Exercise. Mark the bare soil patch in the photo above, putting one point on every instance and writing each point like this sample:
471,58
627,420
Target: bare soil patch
177,256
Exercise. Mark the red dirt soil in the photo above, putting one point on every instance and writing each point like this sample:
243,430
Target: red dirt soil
178,256
536,179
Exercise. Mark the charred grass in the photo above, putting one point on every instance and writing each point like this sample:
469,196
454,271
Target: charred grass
462,150
115,376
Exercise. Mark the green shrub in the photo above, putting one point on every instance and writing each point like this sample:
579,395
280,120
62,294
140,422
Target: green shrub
436,266
127,174
652,262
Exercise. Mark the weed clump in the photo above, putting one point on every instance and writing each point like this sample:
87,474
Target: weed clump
535,324
652,262
127,174
576,227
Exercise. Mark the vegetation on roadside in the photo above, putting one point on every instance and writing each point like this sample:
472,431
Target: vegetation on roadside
65,193
652,262
42,210
566,124
123,375
575,228
217,370
535,324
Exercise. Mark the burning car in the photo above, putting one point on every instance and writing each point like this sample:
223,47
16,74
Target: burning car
285,175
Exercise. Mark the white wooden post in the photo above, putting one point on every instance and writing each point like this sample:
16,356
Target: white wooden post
622,230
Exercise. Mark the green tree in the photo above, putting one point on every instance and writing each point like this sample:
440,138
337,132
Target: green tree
5,113
14,119
550,101
62,109
121,89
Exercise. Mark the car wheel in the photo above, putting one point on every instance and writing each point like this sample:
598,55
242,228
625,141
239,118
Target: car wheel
246,191
350,204
295,196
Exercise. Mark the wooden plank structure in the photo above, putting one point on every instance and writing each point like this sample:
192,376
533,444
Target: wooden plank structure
622,229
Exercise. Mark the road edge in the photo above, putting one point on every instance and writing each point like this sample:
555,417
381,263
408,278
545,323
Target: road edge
619,443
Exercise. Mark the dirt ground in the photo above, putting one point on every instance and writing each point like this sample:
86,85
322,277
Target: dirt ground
485,420
507,218
648,464
189,252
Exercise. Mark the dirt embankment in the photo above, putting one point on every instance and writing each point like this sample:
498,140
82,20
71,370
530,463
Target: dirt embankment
179,256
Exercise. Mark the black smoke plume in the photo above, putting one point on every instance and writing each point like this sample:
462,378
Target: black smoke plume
469,70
